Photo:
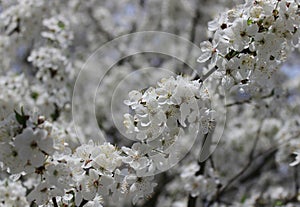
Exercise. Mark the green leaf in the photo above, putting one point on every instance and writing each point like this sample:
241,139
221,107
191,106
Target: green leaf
21,118
231,54
278,203
61,25
249,21
56,113
243,199
34,95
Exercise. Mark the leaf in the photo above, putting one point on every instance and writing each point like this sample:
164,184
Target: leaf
249,21
21,118
56,113
278,203
244,198
231,54
34,95
61,25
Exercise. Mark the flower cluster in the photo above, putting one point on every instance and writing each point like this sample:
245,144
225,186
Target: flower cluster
24,145
251,41
49,62
53,67
163,117
175,102
197,184
34,148
16,16
12,193
58,30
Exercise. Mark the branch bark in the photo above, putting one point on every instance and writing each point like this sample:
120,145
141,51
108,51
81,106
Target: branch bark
54,202
243,170
83,202
192,201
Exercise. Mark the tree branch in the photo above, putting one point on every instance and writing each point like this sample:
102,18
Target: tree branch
251,154
83,202
192,34
99,27
211,71
54,202
296,179
192,201
266,156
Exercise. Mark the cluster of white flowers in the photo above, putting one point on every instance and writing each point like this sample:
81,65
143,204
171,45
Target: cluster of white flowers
22,22
51,64
175,102
53,67
163,116
12,193
24,147
89,174
251,41
198,185
28,146
21,13
58,31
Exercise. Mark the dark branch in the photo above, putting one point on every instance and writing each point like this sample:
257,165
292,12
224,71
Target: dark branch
54,202
251,154
296,180
192,34
192,201
83,202
99,27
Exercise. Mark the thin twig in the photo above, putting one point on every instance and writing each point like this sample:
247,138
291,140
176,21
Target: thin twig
250,161
211,71
54,202
239,103
257,169
83,202
99,27
192,35
296,179
251,154
192,201
212,163
266,154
